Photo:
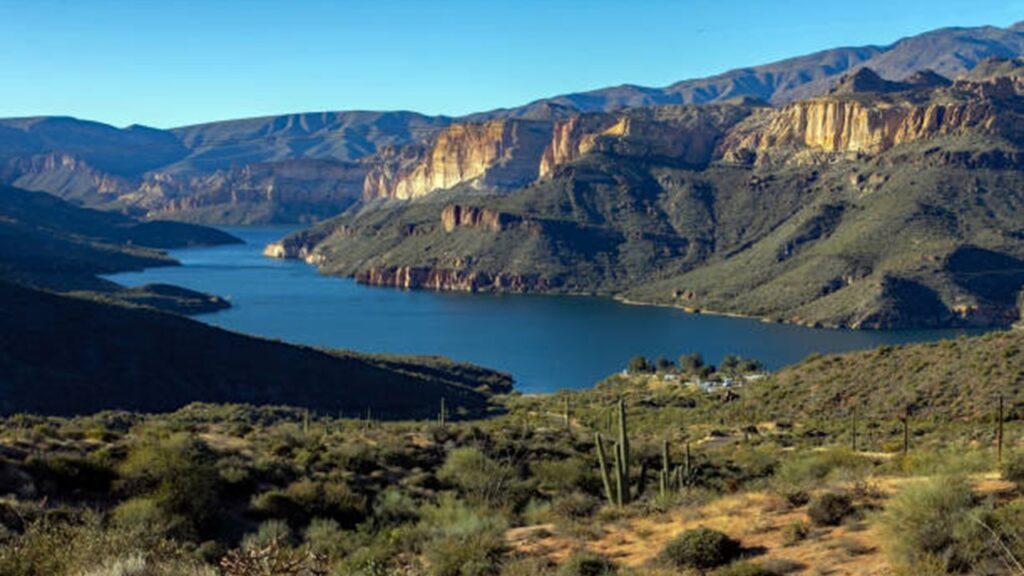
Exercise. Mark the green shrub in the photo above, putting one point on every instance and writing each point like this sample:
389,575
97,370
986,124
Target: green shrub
934,519
177,472
807,470
325,537
268,532
303,500
480,478
1013,468
468,555
575,506
587,564
701,548
795,532
393,507
562,475
830,509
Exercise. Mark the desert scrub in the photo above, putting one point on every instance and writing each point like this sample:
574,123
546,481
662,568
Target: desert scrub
701,549
807,470
1012,468
587,564
830,509
795,532
745,569
479,478
939,519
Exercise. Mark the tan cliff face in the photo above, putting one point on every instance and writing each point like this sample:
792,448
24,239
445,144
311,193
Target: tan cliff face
501,154
861,124
684,134
457,216
422,277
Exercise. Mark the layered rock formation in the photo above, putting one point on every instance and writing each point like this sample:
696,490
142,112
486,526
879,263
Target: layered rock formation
458,216
876,121
500,154
456,280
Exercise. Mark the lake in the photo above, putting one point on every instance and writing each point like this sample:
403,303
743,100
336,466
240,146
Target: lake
545,342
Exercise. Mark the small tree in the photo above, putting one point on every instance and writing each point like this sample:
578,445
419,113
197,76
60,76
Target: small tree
664,364
639,365
691,363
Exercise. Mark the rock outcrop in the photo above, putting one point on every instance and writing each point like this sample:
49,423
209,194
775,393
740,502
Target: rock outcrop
458,216
499,154
421,277
859,123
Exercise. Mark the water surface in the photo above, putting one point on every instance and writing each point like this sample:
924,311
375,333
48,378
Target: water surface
546,342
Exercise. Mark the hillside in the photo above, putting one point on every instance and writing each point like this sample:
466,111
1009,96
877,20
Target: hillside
66,355
48,243
307,167
880,204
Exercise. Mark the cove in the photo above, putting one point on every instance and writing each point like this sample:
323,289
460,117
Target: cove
546,342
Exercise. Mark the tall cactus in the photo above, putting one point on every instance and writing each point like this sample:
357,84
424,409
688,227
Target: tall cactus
664,477
442,415
999,431
620,470
602,461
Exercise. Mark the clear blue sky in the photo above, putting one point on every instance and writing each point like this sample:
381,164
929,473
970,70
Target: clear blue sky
173,62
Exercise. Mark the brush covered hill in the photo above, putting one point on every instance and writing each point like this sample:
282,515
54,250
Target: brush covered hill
960,378
308,167
881,204
69,355
48,243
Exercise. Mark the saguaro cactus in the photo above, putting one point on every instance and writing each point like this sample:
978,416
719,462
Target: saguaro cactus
442,414
664,477
622,493
999,431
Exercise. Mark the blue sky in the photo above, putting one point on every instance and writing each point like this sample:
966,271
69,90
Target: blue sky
174,62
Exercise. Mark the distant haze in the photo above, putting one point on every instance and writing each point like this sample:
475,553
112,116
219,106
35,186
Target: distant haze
175,63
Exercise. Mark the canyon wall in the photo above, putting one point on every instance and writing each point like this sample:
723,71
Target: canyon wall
872,125
501,154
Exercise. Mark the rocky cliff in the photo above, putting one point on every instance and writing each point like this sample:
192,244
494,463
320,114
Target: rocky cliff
686,135
874,117
499,154
417,277
458,216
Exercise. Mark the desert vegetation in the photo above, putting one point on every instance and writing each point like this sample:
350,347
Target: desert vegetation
638,475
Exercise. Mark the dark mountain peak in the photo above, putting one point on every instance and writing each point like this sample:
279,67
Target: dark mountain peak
864,80
927,79
995,67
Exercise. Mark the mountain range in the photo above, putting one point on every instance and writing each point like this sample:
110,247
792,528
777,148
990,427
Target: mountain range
307,167
871,187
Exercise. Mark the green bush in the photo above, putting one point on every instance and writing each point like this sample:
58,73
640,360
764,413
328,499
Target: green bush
561,475
268,532
830,509
795,532
1013,468
303,500
701,548
587,564
527,566
575,506
469,555
480,478
178,473
807,470
934,519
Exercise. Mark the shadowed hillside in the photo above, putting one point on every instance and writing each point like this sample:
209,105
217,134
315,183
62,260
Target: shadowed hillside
66,355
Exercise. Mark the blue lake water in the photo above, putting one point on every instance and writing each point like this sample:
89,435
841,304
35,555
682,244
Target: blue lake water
545,342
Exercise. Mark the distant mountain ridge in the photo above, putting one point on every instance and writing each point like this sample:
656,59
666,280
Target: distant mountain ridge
204,172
